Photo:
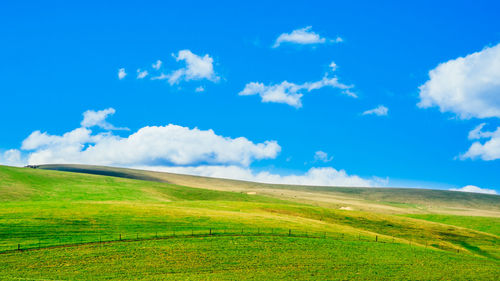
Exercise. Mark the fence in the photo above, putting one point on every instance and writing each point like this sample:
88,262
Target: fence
97,238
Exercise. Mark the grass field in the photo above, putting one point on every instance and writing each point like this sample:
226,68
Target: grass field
246,258
424,234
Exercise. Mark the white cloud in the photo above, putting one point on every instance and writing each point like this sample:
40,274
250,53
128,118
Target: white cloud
156,65
475,189
322,156
300,36
151,145
142,74
171,148
333,66
379,111
199,89
290,93
197,68
11,157
338,40
327,176
98,118
121,73
489,150
467,86
162,76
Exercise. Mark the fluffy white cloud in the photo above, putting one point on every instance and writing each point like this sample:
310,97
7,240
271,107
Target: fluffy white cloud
98,118
327,176
489,150
199,89
155,145
121,73
379,111
11,157
475,189
300,36
197,68
142,74
467,86
156,65
290,93
322,156
171,148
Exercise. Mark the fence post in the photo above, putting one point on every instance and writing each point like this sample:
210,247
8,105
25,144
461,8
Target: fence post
289,232
210,232
376,238
19,247
324,235
120,237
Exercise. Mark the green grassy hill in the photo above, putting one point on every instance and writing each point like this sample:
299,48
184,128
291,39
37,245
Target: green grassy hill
336,232
386,200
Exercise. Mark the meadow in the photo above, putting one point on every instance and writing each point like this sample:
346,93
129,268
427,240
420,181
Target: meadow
260,231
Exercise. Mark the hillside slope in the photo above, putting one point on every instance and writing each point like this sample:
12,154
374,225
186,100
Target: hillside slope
386,200
43,208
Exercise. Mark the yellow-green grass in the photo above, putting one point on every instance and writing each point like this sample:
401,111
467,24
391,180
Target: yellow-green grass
46,208
385,200
245,258
484,224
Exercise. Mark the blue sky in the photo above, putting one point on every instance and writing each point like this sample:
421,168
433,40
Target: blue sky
61,59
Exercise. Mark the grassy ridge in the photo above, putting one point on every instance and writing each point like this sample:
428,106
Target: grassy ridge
387,200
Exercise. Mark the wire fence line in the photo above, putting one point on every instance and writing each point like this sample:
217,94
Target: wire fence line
97,238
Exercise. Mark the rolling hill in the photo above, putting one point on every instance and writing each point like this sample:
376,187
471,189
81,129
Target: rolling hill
168,226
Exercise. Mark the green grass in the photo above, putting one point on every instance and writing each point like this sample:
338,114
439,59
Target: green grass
403,200
245,258
46,208
484,224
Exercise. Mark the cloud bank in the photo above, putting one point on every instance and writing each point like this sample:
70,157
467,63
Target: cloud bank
151,145
327,176
474,189
169,148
